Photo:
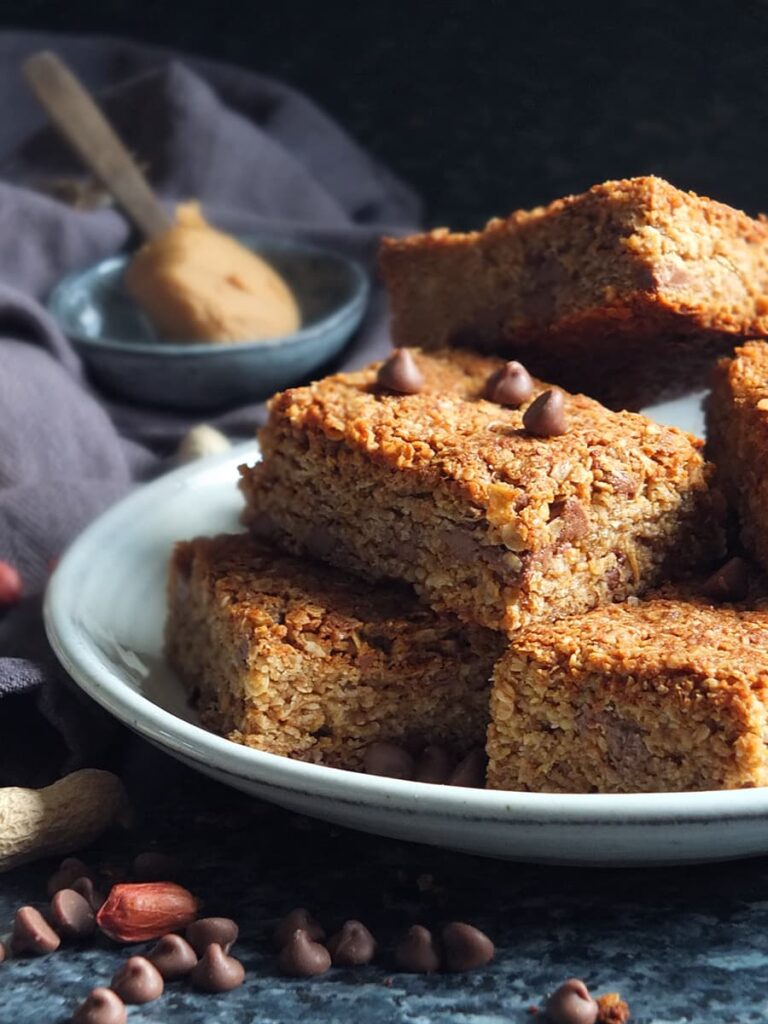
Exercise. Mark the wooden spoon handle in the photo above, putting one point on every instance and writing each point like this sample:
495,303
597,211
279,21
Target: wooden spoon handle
91,136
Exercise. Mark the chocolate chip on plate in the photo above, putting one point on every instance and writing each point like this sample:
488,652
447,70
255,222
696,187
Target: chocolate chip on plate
221,930
352,946
70,869
3,952
728,583
87,890
102,1006
138,981
300,957
388,760
466,947
153,866
400,373
417,951
470,771
511,385
571,1003
216,971
32,933
173,957
546,416
434,765
299,917
72,915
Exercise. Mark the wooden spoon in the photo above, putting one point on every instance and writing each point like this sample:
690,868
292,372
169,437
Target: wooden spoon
88,132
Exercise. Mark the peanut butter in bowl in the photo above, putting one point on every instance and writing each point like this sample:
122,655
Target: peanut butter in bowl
198,284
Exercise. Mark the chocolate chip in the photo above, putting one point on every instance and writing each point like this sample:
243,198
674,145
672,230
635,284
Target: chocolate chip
388,760
545,416
728,583
470,772
221,930
32,933
511,385
466,947
67,872
138,981
216,972
3,953
571,518
173,957
353,946
417,951
73,916
571,1003
102,1006
86,888
155,867
434,765
400,373
301,918
300,957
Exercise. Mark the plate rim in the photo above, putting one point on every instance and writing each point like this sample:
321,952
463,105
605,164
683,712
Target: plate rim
195,743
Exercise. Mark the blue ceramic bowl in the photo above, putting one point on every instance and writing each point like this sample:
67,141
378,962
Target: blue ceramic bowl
125,356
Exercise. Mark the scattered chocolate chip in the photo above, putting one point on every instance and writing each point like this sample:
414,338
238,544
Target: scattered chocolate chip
73,916
301,918
466,947
434,765
32,933
173,957
545,416
300,957
138,981
3,953
417,952
400,373
216,971
10,585
87,890
221,930
571,1003
155,867
470,772
102,1006
66,873
388,760
728,583
352,946
511,385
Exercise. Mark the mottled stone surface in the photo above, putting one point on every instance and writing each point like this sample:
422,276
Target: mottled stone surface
681,944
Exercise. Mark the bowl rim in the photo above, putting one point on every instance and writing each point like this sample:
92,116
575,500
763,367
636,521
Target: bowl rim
352,308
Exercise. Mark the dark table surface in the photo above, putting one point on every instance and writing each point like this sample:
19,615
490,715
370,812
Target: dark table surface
680,944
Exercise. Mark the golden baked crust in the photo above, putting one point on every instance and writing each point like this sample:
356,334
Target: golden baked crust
302,661
658,695
737,436
627,291
447,491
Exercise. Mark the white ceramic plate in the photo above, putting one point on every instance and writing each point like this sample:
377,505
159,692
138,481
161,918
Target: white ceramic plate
105,610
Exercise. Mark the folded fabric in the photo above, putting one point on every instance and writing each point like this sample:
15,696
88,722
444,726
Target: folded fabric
259,156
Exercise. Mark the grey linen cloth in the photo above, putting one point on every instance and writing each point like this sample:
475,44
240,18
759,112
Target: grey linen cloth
259,156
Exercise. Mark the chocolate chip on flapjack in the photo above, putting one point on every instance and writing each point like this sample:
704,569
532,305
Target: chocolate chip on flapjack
173,957
352,946
138,981
511,385
546,417
400,373
216,971
301,957
388,760
72,915
103,1006
571,1003
466,947
221,930
417,951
